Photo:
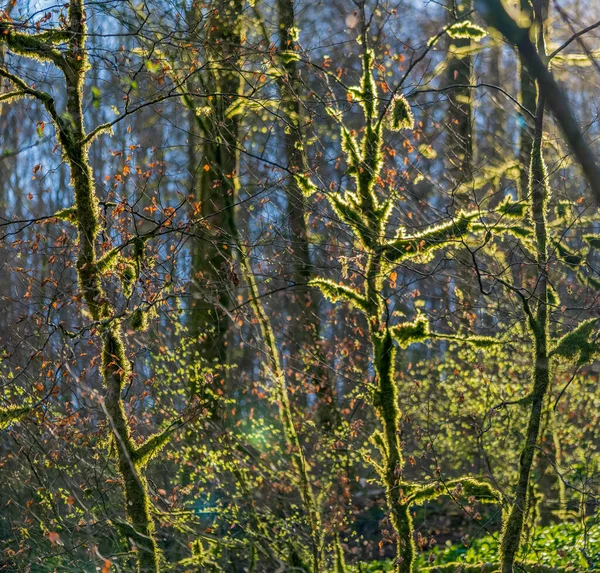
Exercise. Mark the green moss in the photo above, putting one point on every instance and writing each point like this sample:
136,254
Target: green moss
409,333
351,150
577,345
564,209
592,240
139,249
139,319
306,186
142,454
108,261
510,208
288,56
127,275
462,568
466,30
349,212
340,562
335,292
406,247
553,296
69,214
456,488
114,361
370,167
34,46
12,414
568,257
400,115
476,341
593,282
368,88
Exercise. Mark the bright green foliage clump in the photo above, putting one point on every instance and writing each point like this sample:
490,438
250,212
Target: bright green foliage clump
11,414
400,115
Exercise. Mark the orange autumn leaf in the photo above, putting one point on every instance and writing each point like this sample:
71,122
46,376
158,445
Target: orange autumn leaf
54,538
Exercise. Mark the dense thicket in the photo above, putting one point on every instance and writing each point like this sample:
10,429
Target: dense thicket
296,285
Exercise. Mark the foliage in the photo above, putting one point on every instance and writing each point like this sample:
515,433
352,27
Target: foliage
289,287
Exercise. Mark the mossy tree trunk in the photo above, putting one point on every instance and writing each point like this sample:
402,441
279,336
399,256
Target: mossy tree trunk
304,307
216,181
368,217
115,370
217,191
460,99
538,325
528,97
276,372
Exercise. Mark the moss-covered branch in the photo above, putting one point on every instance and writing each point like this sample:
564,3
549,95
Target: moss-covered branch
143,453
460,487
335,292
367,216
539,329
37,46
578,346
12,414
520,566
411,246
495,14
73,62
